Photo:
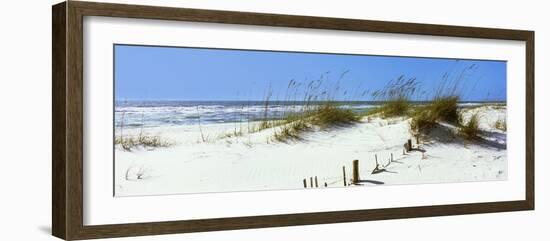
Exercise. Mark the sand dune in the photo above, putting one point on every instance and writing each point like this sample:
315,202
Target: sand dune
254,161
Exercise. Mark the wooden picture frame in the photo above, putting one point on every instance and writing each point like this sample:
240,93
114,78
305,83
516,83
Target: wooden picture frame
67,122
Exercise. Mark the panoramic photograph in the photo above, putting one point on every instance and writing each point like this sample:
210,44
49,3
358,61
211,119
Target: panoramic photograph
202,120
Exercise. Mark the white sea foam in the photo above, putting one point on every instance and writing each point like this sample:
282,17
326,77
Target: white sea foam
158,113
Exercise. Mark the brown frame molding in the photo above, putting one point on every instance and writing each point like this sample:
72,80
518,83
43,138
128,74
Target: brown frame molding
67,121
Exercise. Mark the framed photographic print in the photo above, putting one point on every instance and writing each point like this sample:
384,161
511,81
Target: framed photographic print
171,120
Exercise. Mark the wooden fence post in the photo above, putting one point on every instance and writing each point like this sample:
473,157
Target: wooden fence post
355,171
316,183
344,171
305,183
409,145
310,181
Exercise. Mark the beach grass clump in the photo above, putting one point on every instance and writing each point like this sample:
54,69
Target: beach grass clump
423,121
395,97
445,108
441,108
396,107
129,143
323,116
291,131
443,105
329,114
310,105
470,130
500,124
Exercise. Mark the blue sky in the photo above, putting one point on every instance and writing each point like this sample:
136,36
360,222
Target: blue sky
170,73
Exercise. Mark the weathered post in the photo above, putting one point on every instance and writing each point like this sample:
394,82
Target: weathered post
316,184
344,172
310,181
355,171
409,145
305,183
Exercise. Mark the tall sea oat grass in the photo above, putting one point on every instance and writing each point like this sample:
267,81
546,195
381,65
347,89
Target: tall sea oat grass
395,97
318,109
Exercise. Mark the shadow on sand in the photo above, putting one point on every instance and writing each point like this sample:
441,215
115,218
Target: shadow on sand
363,182
446,134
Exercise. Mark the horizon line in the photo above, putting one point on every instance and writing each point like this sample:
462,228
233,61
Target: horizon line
197,100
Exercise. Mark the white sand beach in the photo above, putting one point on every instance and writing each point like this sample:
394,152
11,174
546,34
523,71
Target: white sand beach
255,161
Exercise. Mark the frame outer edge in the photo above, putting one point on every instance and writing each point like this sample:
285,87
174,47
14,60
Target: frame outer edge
67,148
59,182
293,21
74,121
530,120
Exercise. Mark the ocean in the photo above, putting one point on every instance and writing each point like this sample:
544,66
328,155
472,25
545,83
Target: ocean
132,114
161,113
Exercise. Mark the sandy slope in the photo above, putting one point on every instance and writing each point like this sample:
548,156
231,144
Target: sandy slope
253,162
